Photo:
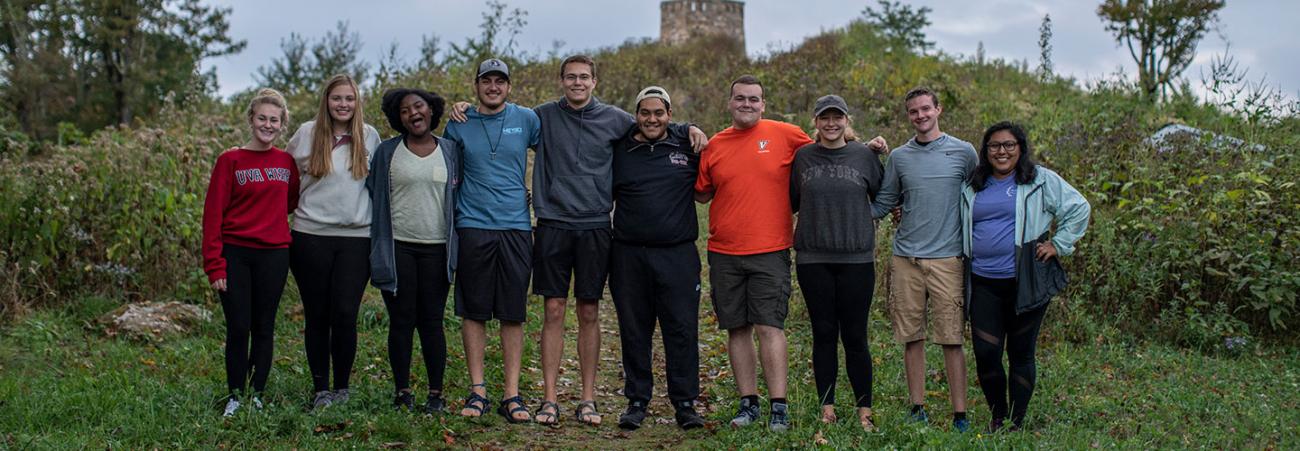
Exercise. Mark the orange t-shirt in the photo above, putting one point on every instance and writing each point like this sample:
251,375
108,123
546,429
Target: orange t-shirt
749,173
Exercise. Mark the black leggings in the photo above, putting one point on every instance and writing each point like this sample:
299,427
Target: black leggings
331,272
839,303
418,304
254,283
993,322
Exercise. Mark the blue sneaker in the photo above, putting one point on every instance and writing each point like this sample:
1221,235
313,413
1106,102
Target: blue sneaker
919,416
961,425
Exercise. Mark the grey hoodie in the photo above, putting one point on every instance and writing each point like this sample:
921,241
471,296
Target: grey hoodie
572,171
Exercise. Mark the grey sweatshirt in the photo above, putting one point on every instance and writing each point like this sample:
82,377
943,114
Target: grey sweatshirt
572,171
927,179
831,190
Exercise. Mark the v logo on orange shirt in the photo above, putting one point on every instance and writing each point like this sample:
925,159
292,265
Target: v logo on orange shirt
762,146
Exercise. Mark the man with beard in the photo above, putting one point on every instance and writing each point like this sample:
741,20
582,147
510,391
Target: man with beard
493,225
654,265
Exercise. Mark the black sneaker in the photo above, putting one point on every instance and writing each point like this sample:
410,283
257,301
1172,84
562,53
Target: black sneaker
686,416
747,414
404,400
632,418
434,405
322,399
997,425
780,420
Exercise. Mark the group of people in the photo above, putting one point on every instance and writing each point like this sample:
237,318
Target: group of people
614,198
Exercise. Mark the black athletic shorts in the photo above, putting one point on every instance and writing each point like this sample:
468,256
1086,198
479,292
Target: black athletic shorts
492,274
561,255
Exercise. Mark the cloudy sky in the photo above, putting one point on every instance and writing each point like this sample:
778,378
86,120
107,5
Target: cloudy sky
1258,30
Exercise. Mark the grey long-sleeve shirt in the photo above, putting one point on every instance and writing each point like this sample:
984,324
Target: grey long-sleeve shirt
928,180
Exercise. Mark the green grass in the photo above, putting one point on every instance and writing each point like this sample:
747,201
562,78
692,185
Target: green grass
66,385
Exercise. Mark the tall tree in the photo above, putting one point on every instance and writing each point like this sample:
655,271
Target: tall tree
1161,35
901,25
500,26
36,82
292,70
143,48
1045,47
100,62
304,64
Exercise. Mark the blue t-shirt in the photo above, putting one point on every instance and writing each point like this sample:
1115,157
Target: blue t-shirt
493,195
993,229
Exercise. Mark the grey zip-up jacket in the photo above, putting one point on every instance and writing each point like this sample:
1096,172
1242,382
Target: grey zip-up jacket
573,173
383,264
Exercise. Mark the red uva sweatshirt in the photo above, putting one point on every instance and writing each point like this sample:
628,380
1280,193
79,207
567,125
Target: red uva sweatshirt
250,195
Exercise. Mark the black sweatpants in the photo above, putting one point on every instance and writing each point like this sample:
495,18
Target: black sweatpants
993,323
838,296
418,305
331,272
254,283
661,284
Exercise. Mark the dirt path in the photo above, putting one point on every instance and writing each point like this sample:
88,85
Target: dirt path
659,429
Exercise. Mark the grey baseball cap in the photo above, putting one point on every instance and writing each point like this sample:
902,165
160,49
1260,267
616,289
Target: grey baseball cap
493,65
827,102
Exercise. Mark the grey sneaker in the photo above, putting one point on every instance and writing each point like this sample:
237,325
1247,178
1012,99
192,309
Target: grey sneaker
322,399
340,396
232,406
746,414
780,420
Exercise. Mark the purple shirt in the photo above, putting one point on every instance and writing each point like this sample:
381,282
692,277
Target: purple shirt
994,228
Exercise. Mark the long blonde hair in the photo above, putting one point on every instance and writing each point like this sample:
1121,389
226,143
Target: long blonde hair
849,133
320,163
268,96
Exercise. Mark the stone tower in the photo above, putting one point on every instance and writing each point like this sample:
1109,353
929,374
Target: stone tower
681,20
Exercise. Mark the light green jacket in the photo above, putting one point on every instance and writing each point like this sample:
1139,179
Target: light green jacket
1046,199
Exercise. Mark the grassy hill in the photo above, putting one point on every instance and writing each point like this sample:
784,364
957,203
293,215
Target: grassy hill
1187,248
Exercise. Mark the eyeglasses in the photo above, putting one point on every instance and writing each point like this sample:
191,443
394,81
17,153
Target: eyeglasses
1005,145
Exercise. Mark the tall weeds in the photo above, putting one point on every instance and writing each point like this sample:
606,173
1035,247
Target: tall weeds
1193,245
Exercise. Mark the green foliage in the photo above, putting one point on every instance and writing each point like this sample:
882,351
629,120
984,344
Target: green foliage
1103,393
94,63
119,215
1193,246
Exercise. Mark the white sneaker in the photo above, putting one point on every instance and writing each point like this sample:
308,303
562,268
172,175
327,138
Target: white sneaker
232,406
257,403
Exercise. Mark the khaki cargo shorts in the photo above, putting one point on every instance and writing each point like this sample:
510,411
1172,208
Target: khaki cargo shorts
914,280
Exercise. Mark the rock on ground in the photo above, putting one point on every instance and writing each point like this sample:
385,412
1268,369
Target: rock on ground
151,320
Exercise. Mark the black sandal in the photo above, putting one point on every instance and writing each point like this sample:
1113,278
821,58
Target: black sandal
585,410
476,402
509,413
549,409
